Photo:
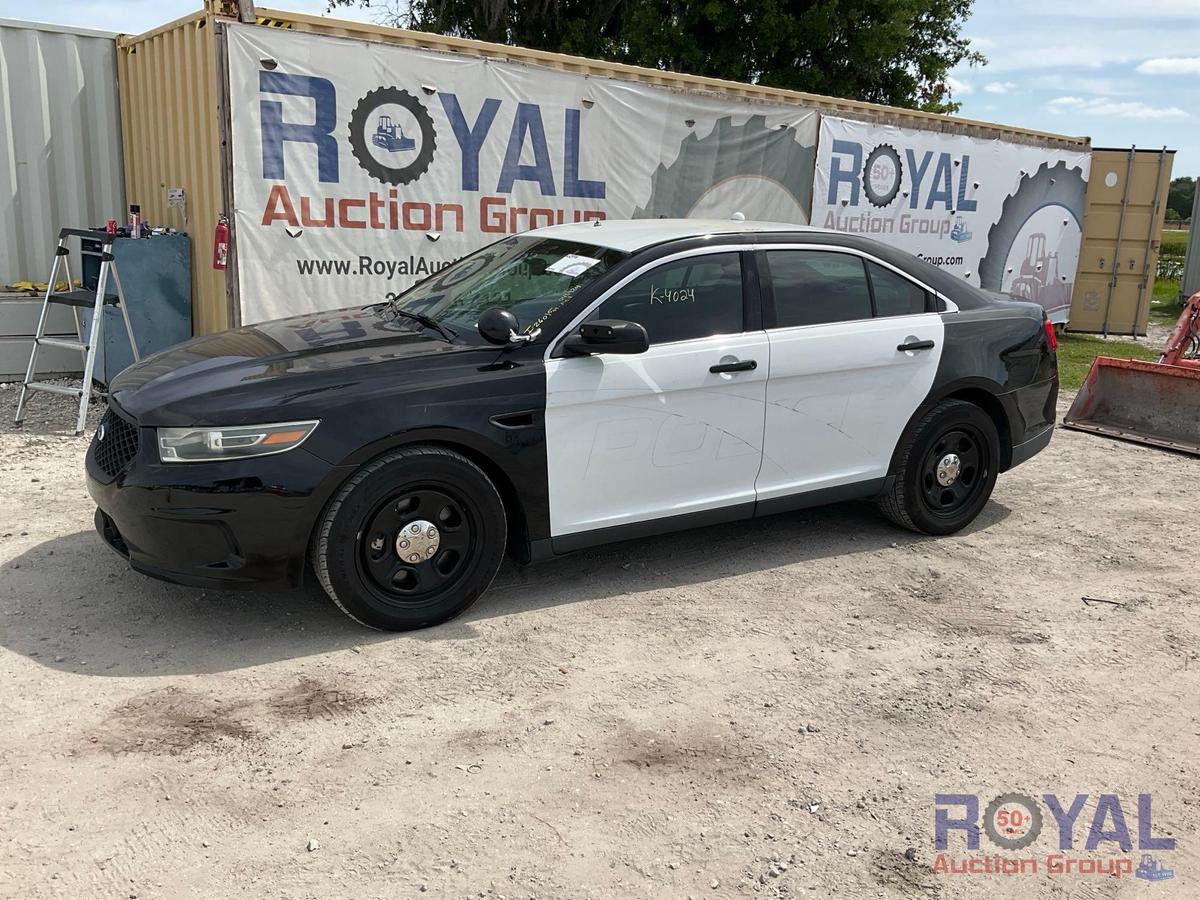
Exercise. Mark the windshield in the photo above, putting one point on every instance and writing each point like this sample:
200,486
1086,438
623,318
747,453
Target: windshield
530,277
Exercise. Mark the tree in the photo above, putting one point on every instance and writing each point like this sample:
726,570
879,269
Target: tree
897,52
1181,196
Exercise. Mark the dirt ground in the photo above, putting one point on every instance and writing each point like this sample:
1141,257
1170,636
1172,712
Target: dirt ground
767,709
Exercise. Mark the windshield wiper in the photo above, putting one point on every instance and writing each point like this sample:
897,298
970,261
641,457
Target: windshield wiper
428,321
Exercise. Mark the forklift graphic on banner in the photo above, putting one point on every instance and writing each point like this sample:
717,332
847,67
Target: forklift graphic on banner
1040,279
390,136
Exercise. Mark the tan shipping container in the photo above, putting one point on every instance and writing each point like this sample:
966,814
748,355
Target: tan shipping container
1122,233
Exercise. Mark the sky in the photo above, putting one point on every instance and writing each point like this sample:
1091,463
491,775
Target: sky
1119,71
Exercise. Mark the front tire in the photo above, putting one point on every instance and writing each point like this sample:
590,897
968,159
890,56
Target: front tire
947,469
411,540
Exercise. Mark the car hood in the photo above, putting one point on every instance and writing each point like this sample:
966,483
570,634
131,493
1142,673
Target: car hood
246,370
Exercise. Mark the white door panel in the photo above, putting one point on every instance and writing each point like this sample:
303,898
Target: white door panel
838,398
637,437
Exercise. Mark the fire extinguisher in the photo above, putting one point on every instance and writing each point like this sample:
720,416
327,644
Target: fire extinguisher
221,242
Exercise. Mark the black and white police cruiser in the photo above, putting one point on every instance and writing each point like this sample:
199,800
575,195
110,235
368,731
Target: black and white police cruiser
562,388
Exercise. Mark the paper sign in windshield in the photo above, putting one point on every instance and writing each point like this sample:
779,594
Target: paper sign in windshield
572,265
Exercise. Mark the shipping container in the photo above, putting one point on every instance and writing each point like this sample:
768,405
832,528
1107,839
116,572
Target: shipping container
60,140
176,114
1123,223
60,161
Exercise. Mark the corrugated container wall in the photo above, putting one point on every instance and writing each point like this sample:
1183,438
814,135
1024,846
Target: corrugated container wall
169,112
1122,233
60,141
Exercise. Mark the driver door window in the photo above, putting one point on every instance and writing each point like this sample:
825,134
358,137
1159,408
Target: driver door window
696,297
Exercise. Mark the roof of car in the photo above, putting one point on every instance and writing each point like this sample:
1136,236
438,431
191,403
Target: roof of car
633,234
630,235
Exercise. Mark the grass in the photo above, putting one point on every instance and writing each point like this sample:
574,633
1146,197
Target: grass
1174,241
1076,352
1165,303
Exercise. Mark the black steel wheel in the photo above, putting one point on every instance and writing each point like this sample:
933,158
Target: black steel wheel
954,471
416,543
411,540
946,469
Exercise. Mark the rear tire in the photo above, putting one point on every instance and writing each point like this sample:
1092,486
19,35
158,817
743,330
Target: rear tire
411,540
947,469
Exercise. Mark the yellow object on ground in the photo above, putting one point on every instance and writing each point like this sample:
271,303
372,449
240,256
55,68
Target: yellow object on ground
39,287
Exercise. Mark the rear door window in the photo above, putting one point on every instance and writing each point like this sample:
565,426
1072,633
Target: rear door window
895,295
815,287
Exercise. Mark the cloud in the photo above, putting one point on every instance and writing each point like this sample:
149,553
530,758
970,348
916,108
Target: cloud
1092,85
1122,109
1106,9
999,87
959,88
1171,65
1032,55
1084,44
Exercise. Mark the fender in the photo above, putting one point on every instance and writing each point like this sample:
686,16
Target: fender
984,393
1014,356
515,461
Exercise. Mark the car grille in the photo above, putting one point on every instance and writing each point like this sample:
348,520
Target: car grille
116,444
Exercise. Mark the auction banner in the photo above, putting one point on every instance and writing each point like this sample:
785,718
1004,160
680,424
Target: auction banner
361,167
1006,217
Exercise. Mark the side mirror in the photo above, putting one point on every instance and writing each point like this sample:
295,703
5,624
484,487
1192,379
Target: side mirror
497,326
608,336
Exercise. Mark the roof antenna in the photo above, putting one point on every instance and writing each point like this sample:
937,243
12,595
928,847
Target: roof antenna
738,217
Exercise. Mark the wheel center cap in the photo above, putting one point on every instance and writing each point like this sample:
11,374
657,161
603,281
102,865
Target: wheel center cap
948,468
417,541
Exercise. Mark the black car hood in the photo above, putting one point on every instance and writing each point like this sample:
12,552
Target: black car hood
259,367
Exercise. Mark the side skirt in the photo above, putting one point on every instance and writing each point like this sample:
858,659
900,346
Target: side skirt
569,543
822,497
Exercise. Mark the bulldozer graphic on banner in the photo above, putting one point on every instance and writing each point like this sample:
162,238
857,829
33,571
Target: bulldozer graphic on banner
390,136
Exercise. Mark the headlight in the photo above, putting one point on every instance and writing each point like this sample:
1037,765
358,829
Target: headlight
211,444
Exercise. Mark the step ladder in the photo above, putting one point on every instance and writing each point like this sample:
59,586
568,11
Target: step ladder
77,300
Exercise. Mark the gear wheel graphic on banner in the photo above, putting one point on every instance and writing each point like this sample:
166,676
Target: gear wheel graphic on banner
1016,837
882,195
729,151
1049,186
385,136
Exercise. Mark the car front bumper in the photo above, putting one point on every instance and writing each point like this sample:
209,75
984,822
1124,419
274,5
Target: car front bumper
241,523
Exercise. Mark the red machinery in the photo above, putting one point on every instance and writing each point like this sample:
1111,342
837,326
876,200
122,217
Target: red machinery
1153,403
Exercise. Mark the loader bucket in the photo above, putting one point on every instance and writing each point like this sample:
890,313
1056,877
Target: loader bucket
1134,400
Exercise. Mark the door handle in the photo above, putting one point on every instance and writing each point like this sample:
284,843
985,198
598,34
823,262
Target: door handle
916,345
745,365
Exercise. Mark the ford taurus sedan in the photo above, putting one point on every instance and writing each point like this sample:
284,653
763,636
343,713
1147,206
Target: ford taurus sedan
563,388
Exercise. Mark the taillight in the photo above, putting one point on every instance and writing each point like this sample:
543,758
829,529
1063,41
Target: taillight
1050,335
